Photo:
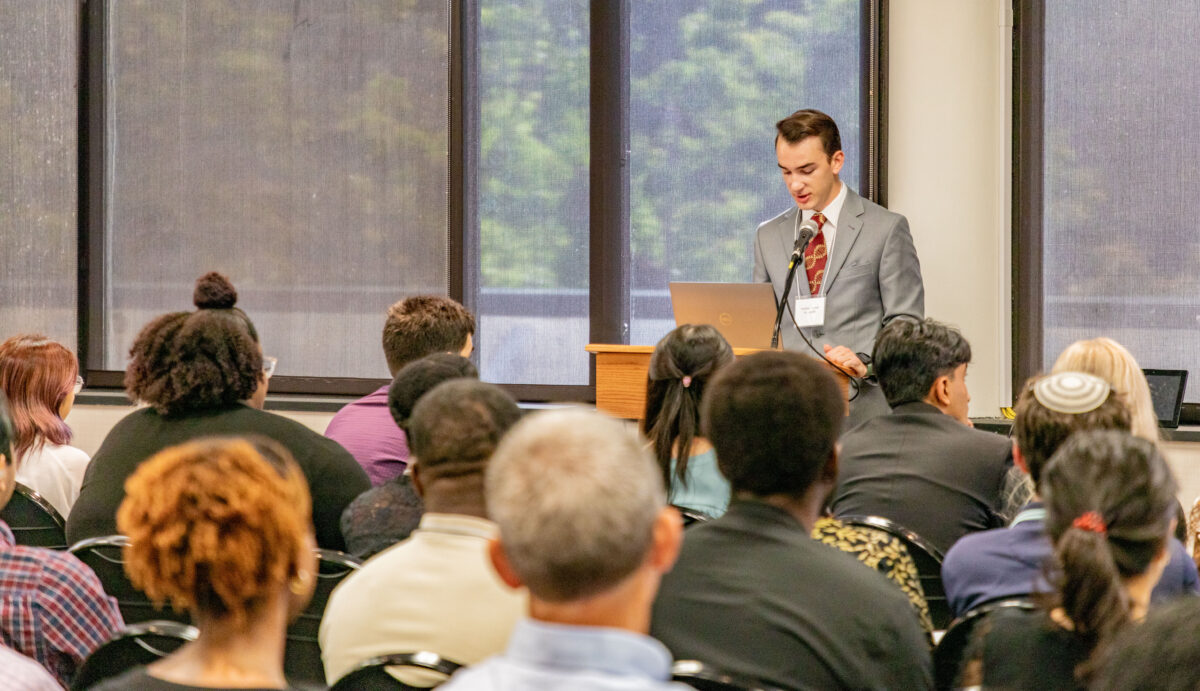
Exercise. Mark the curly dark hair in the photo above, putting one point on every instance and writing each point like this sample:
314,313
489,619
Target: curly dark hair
182,362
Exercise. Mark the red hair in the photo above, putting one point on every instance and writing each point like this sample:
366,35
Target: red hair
37,374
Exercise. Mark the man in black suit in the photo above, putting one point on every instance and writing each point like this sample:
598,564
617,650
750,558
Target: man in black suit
924,466
752,593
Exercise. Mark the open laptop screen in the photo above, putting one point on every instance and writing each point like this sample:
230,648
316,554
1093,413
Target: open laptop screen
1166,391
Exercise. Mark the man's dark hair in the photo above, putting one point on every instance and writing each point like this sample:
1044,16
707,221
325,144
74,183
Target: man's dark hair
1039,431
188,361
418,378
773,418
810,123
7,434
1160,653
455,427
910,355
422,325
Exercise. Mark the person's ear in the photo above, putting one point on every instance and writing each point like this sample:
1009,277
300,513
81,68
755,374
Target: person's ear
1019,459
500,562
414,468
829,472
939,393
666,539
836,161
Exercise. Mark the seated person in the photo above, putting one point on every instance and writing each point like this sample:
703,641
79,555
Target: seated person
1109,498
435,591
923,466
1161,653
220,527
415,327
752,593
23,674
52,607
40,378
1008,562
591,582
202,374
681,366
387,514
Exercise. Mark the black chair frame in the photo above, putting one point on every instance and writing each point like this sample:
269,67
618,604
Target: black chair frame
371,675
926,557
302,655
949,654
33,520
138,644
700,676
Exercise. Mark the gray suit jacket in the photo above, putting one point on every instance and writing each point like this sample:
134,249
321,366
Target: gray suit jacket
872,277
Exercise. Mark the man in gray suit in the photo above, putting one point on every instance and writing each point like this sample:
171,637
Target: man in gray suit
862,263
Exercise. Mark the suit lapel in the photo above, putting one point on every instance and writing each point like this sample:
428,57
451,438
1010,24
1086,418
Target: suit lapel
787,242
852,222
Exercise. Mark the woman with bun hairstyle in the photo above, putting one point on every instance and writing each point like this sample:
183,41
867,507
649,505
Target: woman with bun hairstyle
1109,499
682,364
202,374
41,378
220,527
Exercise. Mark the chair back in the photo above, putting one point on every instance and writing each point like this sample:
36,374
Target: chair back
139,644
371,675
33,521
103,555
690,517
700,676
952,650
302,656
926,557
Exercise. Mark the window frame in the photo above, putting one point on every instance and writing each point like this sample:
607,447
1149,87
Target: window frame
609,299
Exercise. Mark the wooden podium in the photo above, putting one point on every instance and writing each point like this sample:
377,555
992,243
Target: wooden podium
621,377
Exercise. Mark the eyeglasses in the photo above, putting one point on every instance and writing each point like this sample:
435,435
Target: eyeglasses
269,365
78,383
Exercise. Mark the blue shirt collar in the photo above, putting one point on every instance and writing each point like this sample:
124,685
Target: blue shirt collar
1033,511
606,650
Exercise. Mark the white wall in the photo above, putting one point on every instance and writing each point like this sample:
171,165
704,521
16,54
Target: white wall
949,118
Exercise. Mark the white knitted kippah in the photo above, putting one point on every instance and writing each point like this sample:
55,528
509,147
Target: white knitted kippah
1071,392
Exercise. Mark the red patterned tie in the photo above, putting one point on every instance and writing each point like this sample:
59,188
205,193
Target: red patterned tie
815,256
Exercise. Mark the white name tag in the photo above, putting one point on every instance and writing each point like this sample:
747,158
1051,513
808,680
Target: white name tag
810,311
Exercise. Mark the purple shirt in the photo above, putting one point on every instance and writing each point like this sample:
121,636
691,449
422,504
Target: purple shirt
366,429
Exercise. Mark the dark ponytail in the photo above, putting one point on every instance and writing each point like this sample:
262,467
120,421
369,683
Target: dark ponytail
1109,502
682,364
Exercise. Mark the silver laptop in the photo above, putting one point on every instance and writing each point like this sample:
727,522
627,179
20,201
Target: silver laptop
743,312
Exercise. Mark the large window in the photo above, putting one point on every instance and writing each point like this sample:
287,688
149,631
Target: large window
551,163
39,59
1117,141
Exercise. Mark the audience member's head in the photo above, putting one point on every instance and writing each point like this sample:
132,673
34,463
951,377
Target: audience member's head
1110,361
582,514
1053,407
184,362
39,376
452,433
8,464
774,420
220,527
1162,653
417,378
680,368
423,325
923,361
1110,501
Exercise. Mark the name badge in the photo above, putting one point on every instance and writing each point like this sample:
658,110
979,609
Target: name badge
810,311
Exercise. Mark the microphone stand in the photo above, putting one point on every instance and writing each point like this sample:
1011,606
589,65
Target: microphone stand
797,254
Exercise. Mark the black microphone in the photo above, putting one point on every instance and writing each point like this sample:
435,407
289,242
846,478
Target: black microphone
808,230
805,233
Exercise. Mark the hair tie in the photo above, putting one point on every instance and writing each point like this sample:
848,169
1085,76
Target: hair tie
1091,522
687,381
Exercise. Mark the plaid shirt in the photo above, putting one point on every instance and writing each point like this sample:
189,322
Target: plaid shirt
52,606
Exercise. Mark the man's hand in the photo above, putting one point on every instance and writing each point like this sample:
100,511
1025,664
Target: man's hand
846,359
